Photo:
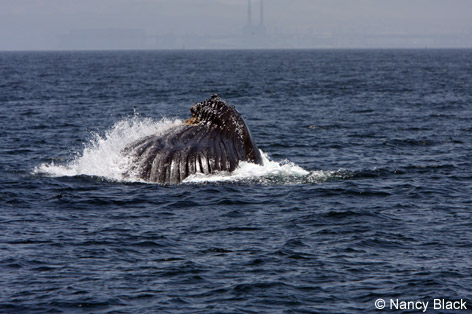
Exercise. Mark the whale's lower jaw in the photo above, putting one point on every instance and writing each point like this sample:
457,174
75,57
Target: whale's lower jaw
216,139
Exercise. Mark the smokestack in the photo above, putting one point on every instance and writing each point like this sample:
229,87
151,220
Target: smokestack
249,15
262,12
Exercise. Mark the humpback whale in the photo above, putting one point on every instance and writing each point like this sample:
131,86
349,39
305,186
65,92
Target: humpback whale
215,138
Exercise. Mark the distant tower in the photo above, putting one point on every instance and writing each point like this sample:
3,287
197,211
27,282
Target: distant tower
248,29
254,30
249,15
262,12
261,30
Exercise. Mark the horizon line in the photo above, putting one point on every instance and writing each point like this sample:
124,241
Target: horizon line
235,49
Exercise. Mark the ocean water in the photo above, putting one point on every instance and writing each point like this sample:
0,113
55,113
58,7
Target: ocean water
365,192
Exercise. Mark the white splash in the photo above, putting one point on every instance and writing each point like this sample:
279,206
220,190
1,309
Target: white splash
102,157
267,172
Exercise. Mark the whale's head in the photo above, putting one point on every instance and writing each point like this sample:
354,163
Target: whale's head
215,113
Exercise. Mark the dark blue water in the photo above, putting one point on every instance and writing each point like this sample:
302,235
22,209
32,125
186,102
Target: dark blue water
367,194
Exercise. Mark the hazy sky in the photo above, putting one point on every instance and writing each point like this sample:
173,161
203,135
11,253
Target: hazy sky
39,24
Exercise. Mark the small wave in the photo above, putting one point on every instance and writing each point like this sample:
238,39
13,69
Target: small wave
102,157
